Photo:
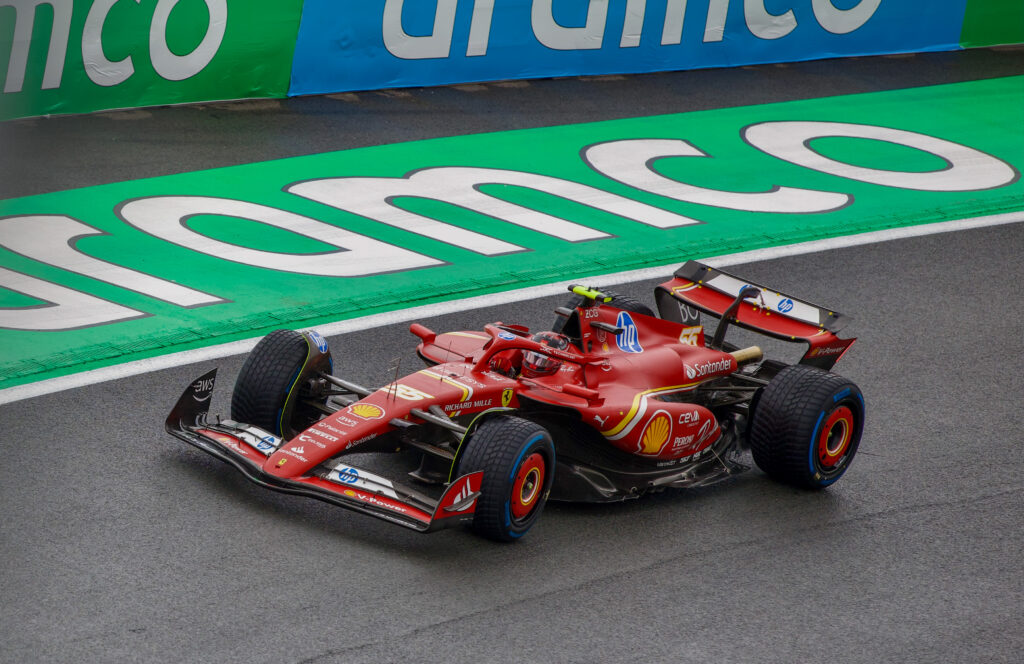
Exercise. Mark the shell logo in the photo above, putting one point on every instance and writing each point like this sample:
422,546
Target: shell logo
657,433
367,411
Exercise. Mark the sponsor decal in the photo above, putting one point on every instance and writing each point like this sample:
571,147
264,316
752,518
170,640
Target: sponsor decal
338,419
833,350
204,387
707,430
601,420
704,368
688,315
325,436
469,405
348,475
369,437
296,452
263,442
629,340
462,495
316,338
361,440
225,440
506,397
691,335
405,392
785,305
374,500
303,438
679,443
691,417
591,312
363,479
367,411
507,336
657,433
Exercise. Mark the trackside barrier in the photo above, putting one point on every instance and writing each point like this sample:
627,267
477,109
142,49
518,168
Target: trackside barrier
415,42
75,56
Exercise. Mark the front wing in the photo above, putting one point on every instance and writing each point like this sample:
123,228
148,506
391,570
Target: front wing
246,448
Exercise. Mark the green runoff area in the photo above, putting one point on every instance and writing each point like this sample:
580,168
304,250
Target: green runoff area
247,299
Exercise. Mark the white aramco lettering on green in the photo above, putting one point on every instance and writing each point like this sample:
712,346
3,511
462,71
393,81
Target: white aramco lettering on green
52,239
101,70
374,198
968,169
165,217
632,162
62,308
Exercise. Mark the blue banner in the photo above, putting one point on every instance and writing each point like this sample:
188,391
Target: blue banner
371,44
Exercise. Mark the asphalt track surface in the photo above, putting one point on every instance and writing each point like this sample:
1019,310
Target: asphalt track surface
120,543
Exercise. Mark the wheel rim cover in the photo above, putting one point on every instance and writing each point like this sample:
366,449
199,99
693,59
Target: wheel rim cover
526,488
836,434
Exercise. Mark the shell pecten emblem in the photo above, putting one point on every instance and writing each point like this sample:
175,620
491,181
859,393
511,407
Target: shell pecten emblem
657,433
367,411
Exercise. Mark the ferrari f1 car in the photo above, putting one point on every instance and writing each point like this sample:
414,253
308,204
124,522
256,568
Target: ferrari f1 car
610,404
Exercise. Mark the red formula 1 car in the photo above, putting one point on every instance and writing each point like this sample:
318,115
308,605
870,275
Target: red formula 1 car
612,403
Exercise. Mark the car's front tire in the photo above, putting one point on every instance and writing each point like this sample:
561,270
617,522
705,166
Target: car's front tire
518,460
267,379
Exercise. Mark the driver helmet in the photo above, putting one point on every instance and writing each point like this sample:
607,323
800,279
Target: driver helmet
535,364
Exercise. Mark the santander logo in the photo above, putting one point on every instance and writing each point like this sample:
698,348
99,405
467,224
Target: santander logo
705,368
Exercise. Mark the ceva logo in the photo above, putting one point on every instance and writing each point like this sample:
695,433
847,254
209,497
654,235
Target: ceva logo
629,339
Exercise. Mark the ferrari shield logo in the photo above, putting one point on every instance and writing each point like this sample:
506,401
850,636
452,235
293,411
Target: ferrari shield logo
506,398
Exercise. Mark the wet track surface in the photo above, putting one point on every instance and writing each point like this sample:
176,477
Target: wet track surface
122,544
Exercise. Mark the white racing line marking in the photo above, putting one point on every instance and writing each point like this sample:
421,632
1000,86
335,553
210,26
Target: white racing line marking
52,385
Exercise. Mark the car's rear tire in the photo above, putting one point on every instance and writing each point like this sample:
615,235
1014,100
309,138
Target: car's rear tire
517,457
267,378
624,302
806,427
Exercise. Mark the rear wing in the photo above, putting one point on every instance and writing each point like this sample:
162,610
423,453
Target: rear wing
697,288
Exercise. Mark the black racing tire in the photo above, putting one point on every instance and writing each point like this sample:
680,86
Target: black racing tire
624,302
517,457
806,427
267,378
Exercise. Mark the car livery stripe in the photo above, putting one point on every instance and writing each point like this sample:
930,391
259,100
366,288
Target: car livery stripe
467,391
639,407
468,334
